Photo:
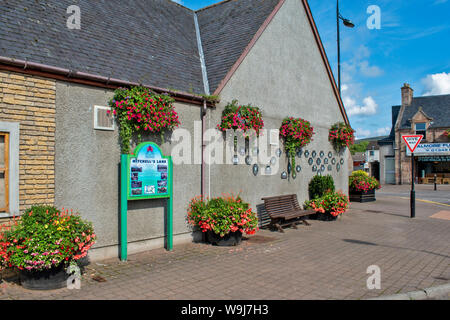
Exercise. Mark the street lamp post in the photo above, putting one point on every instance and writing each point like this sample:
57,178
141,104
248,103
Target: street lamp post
349,24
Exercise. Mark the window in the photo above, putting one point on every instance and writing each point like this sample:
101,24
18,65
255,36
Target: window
103,118
4,172
371,153
421,128
9,169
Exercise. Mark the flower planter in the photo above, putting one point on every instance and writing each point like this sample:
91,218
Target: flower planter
325,216
361,196
55,278
229,240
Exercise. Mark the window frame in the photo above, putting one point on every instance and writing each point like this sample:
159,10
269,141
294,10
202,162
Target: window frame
421,131
13,130
5,169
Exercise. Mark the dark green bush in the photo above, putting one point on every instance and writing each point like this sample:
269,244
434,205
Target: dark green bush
319,185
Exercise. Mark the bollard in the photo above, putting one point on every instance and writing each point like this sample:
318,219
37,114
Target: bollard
435,179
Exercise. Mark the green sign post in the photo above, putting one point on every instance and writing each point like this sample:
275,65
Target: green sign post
145,174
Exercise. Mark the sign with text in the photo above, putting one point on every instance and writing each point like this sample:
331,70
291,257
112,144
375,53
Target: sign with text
149,174
412,141
431,149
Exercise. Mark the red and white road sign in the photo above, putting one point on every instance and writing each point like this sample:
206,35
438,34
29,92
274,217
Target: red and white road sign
412,141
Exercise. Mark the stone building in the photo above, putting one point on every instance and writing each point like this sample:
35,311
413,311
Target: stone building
54,80
430,117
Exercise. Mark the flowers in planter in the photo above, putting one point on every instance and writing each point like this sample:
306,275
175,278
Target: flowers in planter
447,133
341,135
360,181
244,117
222,215
140,110
333,203
296,133
44,238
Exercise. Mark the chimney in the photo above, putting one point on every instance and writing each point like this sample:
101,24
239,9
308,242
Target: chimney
407,95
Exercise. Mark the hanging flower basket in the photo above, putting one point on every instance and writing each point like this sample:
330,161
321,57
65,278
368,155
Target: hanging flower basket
341,136
244,117
296,133
140,110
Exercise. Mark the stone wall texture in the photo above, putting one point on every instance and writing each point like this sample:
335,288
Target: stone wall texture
30,101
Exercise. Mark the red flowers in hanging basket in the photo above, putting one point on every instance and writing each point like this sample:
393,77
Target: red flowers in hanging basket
341,135
241,117
140,110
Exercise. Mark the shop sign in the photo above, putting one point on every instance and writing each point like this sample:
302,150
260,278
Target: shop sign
431,149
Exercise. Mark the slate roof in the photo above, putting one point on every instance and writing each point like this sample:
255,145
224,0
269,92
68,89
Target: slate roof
226,30
153,42
436,107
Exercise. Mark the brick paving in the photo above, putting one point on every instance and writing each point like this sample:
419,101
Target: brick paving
327,260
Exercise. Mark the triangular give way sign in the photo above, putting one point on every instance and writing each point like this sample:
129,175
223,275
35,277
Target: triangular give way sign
412,141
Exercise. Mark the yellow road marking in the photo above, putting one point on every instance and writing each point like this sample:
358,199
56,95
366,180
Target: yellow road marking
428,201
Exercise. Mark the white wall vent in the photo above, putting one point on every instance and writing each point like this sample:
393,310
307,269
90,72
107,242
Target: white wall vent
102,119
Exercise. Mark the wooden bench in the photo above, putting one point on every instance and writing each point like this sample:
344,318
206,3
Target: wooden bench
284,210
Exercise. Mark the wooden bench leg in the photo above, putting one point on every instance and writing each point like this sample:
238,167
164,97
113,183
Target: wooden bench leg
306,223
294,225
279,228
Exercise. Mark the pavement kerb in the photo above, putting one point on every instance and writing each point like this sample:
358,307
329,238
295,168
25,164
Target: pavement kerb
429,293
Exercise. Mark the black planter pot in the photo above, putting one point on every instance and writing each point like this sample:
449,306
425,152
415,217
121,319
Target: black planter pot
360,196
325,216
231,239
55,278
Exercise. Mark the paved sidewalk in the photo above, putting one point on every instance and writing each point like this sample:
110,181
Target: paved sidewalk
327,260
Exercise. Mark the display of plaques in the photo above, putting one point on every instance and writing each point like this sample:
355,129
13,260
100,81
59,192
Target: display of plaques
284,175
330,154
322,154
298,168
333,161
314,168
338,167
325,161
306,154
273,161
318,161
248,160
299,153
322,168
330,167
310,161
342,161
313,154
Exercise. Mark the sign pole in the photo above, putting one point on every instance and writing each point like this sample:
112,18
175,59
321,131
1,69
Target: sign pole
170,210
413,191
123,206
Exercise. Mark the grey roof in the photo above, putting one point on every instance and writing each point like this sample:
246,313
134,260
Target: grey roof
150,42
226,30
436,107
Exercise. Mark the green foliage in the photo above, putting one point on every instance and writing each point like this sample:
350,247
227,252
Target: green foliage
45,237
222,215
319,185
359,147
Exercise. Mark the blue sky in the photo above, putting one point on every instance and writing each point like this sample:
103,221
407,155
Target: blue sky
412,45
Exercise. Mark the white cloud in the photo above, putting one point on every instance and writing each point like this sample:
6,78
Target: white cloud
369,71
368,133
178,1
368,107
438,83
